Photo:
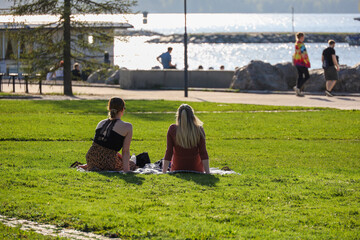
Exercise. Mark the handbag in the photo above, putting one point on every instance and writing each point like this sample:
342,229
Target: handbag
142,159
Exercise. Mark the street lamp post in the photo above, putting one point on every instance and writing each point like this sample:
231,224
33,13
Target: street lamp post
186,76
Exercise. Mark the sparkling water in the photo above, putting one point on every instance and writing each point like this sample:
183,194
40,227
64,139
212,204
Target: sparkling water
136,54
208,23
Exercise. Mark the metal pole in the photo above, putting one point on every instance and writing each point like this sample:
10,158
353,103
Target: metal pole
13,77
186,76
293,20
26,84
3,47
18,57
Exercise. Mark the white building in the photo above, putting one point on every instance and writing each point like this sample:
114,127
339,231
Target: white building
11,49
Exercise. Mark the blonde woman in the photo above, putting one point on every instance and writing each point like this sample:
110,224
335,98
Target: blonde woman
111,135
186,147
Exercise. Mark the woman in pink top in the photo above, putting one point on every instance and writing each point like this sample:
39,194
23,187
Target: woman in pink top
186,147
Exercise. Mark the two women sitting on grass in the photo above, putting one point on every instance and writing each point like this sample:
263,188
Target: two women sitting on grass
186,148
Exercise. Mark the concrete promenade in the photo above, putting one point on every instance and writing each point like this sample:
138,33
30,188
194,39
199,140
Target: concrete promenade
343,101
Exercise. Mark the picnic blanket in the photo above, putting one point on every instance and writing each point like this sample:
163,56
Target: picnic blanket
152,168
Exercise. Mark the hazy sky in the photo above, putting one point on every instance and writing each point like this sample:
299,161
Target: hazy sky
242,6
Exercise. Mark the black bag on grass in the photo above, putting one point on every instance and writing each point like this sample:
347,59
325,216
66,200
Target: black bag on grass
142,159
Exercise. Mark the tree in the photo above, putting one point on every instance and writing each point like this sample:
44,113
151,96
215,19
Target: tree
43,45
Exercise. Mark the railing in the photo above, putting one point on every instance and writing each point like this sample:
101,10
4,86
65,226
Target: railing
15,76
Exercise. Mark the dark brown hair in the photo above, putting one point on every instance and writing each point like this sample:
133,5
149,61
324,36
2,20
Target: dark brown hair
115,105
299,35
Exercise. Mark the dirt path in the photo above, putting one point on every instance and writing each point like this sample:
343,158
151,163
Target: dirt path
50,230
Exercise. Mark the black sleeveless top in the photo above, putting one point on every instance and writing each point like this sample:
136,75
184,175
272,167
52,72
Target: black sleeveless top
106,137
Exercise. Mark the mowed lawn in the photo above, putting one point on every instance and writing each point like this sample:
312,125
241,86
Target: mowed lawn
299,172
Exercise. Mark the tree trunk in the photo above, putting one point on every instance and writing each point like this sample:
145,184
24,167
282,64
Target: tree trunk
67,49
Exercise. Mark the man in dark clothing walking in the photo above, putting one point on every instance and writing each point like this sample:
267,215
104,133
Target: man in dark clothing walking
331,67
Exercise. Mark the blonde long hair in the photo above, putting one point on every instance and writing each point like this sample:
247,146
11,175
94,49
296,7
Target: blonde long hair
189,130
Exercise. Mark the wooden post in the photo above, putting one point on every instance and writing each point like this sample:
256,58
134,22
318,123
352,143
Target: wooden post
1,75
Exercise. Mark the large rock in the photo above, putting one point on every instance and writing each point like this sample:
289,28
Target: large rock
349,80
289,72
114,78
259,75
100,75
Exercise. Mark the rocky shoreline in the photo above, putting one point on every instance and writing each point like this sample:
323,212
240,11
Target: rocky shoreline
259,75
250,38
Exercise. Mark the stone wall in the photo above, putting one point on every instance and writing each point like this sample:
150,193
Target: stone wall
174,79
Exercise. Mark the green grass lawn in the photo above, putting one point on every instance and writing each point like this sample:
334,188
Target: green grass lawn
299,172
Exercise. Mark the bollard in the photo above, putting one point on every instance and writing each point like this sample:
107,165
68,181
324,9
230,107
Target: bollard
13,77
40,87
26,77
1,75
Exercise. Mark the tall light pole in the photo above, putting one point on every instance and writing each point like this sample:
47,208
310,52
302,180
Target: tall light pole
186,76
293,20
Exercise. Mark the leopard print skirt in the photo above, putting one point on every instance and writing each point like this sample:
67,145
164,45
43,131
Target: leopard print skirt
99,158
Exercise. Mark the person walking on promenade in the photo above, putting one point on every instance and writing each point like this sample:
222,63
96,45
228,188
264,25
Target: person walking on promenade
301,62
166,59
331,67
186,147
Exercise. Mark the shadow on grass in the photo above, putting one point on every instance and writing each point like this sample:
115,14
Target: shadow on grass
78,106
129,177
201,179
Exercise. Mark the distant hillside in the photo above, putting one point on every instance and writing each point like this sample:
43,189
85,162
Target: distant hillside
249,6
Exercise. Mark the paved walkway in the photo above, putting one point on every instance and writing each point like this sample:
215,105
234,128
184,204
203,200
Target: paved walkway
346,101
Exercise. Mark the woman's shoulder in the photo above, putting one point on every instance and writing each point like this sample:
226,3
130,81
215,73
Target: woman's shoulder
101,123
124,125
173,127
202,130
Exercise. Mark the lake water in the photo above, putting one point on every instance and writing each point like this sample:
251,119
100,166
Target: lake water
136,54
201,23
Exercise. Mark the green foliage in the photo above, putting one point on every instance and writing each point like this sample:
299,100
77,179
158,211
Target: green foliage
299,172
64,39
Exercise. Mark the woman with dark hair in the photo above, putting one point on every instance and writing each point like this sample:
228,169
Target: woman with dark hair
186,147
111,135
